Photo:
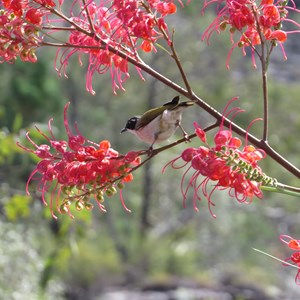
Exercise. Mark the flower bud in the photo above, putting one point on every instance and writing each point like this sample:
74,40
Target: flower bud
120,185
111,191
79,205
223,26
100,197
63,209
88,206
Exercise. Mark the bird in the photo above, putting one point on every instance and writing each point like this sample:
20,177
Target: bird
158,124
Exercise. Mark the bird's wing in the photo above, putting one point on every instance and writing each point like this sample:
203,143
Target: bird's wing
174,102
151,114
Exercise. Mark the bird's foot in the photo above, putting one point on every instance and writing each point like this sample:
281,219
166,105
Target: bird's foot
185,134
150,151
186,137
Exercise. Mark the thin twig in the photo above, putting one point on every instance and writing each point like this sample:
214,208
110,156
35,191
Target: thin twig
88,16
264,66
173,50
58,28
278,259
179,65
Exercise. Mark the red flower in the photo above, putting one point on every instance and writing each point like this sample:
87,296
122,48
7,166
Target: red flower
125,25
291,242
294,245
19,25
200,133
227,165
34,16
98,30
253,21
278,35
78,169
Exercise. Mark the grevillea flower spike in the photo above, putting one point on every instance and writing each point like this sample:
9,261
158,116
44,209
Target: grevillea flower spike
76,170
255,22
108,33
226,165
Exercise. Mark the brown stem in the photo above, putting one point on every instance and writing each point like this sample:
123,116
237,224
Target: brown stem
265,97
173,50
179,65
264,66
289,188
58,28
88,16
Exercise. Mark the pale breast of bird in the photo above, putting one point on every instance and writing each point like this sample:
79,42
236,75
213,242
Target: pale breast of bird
161,128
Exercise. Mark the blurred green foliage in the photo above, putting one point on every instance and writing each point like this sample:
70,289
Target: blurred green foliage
77,259
17,207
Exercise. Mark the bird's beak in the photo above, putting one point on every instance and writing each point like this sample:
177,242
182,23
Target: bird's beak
123,130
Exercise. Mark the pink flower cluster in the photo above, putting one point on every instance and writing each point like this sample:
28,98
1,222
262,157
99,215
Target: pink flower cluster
255,22
125,25
78,169
140,20
226,164
20,22
101,30
18,37
293,245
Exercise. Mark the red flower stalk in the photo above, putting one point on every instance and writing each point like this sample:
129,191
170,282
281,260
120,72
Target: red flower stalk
294,245
73,171
227,164
256,21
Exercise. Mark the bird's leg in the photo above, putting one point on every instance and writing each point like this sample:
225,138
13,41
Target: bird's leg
185,134
150,149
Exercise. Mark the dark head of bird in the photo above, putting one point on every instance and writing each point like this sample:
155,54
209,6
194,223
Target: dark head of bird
131,123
